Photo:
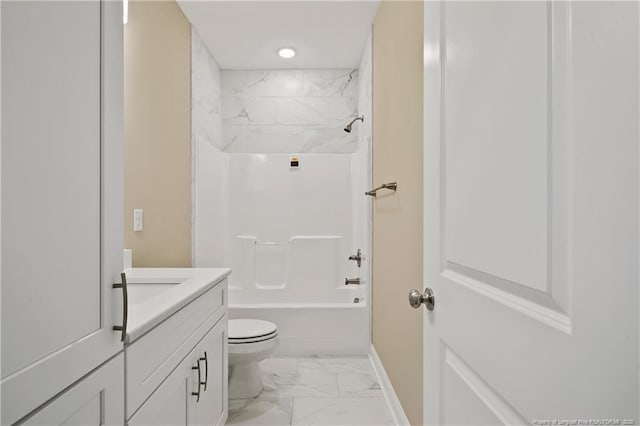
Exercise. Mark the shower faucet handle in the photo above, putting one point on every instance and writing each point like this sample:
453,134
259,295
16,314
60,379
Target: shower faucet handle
357,257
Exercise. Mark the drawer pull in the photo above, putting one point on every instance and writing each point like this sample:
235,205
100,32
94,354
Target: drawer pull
125,307
197,394
206,371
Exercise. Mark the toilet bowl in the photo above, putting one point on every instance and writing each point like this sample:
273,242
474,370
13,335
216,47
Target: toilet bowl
250,341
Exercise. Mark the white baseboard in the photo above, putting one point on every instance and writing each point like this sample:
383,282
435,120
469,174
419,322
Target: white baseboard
399,417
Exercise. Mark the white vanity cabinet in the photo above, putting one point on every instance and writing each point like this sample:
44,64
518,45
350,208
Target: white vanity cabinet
171,403
176,373
96,400
211,409
62,198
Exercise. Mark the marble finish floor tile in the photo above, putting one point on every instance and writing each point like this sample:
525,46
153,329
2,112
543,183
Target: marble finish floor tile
280,366
340,412
314,391
304,383
336,365
260,411
359,385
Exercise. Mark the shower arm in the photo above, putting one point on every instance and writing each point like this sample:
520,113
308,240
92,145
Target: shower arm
374,192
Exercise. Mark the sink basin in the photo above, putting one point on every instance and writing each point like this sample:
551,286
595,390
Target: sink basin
142,289
157,293
141,292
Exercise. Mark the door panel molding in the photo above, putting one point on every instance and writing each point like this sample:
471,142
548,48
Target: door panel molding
543,293
478,387
528,302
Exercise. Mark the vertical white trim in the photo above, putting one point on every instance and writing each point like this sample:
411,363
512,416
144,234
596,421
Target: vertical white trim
194,154
364,177
433,96
397,412
369,201
0,183
112,160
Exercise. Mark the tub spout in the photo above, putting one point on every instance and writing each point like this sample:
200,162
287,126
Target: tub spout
355,281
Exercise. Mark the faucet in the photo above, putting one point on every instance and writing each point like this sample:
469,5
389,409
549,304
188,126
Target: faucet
355,281
357,257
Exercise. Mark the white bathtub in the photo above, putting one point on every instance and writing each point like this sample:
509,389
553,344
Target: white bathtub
313,329
299,285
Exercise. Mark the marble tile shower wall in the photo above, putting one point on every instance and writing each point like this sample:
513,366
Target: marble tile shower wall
365,100
289,111
210,175
206,82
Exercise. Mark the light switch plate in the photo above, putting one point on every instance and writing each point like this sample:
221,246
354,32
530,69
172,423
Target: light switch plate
137,220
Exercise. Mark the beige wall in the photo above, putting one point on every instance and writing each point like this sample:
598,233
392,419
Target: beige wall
157,133
397,218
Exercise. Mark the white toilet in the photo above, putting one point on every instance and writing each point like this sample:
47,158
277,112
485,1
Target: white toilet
250,341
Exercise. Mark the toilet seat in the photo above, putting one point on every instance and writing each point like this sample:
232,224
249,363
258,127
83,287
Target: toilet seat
252,339
243,331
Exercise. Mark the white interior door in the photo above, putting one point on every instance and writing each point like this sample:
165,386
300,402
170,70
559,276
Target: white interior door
531,212
61,195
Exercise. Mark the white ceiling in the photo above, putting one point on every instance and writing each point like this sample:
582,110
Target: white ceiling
248,34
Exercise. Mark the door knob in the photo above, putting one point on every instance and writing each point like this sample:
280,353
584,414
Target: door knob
416,299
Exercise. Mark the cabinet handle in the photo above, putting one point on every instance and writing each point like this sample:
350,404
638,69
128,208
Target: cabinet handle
206,372
197,394
125,307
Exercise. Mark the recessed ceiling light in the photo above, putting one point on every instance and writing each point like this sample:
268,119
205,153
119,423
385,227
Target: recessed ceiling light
286,53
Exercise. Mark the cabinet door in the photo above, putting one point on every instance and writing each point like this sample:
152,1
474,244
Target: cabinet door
96,400
173,402
212,408
61,195
176,402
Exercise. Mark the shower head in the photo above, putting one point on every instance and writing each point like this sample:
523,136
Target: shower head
350,125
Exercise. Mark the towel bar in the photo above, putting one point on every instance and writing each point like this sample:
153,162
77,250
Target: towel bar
391,185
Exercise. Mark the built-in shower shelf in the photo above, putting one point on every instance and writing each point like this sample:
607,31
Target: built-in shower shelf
291,239
295,269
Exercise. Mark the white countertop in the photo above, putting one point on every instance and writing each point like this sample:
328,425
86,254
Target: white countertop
152,298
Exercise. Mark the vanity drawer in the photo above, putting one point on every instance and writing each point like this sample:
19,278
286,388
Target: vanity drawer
151,358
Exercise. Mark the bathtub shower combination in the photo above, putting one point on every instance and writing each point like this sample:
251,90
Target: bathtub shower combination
289,234
281,162
292,231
